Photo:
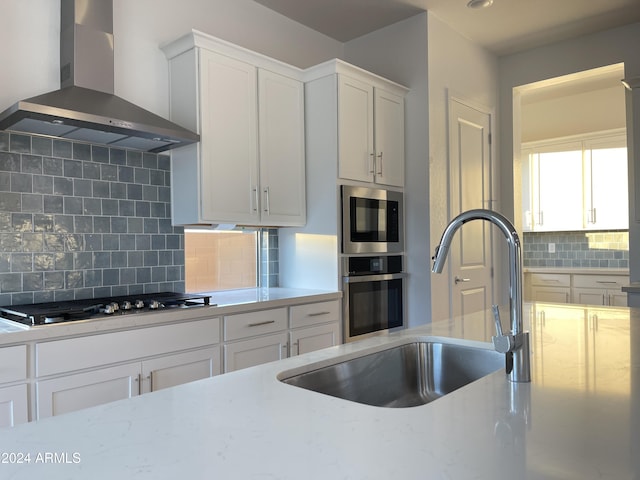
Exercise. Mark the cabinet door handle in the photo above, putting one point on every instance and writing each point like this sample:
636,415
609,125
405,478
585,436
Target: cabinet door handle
266,200
255,199
138,381
379,157
317,314
285,350
257,324
150,377
372,169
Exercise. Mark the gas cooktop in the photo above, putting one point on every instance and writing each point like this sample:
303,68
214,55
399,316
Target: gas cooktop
67,311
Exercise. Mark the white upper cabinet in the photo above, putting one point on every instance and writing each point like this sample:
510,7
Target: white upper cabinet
576,184
369,121
248,167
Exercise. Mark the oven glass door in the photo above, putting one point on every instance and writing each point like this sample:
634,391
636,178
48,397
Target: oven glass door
374,305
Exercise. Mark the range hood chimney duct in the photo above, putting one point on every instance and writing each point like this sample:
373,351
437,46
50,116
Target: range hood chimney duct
85,108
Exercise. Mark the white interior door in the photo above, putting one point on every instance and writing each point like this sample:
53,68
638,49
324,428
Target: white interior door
470,187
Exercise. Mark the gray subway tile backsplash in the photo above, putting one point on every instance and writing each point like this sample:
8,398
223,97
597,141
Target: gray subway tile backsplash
576,249
80,221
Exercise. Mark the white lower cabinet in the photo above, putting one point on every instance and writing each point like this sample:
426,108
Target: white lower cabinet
267,335
172,370
82,372
549,287
84,390
578,288
13,405
255,351
314,326
600,290
309,339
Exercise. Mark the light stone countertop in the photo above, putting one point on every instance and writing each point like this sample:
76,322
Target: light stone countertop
577,271
226,303
578,419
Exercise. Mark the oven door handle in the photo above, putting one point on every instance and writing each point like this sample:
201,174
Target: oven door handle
373,278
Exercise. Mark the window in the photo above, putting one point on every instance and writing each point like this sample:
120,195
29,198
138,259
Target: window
229,260
576,185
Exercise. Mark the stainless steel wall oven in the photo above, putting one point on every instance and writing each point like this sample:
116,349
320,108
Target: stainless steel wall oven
373,294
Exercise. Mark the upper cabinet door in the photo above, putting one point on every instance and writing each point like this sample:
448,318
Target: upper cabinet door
355,130
281,140
229,163
606,190
370,133
389,138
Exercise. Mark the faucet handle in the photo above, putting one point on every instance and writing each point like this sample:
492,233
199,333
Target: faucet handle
501,342
496,320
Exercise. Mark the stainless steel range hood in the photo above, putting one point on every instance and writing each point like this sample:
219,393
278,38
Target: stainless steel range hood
85,108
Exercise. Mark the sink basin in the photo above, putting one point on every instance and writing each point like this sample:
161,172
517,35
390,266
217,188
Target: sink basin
402,376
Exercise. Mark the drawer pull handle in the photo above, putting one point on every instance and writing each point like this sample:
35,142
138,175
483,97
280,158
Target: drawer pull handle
318,314
606,282
550,280
257,324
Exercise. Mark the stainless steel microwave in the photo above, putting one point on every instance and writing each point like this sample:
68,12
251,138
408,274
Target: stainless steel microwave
372,220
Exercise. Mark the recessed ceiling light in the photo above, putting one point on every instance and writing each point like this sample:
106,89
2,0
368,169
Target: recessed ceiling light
479,3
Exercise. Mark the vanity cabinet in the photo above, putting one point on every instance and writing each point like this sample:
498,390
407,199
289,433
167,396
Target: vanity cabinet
13,387
249,166
364,117
86,371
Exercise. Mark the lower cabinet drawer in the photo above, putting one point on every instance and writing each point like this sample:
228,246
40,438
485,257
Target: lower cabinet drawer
245,325
600,281
315,313
550,279
93,351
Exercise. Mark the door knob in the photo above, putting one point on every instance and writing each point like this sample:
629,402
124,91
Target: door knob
458,280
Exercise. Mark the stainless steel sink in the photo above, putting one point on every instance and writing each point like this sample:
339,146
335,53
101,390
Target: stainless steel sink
402,376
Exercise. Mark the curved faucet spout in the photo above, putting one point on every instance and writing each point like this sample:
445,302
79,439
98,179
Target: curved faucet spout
518,340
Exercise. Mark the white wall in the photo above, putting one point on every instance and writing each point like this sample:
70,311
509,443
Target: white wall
585,112
399,52
563,58
29,34
459,68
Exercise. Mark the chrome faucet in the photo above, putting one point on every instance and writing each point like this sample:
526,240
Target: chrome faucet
515,344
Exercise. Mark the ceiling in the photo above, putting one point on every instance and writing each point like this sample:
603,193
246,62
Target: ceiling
507,27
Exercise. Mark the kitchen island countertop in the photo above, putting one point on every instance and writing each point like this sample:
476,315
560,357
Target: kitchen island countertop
579,418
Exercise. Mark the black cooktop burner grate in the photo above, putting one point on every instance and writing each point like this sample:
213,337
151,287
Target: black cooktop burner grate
66,311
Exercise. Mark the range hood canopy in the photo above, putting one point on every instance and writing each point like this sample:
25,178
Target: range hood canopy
85,107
